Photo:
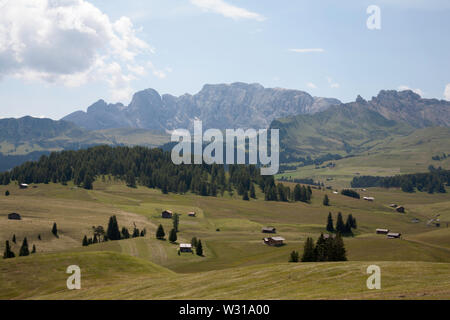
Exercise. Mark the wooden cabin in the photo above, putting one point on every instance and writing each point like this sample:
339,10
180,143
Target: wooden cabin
274,241
191,214
167,214
269,230
185,247
400,209
23,186
14,216
394,235
382,231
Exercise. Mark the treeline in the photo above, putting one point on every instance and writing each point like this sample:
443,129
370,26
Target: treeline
431,182
350,193
289,156
302,181
152,168
440,157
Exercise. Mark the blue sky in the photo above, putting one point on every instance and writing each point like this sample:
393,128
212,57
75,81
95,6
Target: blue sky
50,68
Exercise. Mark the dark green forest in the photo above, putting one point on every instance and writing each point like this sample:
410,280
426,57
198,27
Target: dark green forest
152,168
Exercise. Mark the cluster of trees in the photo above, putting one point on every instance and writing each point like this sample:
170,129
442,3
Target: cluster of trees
350,193
160,233
280,192
197,244
24,250
112,233
440,157
431,182
344,229
325,249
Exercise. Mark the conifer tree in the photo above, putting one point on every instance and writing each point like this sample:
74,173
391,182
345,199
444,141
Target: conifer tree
24,248
7,193
88,181
194,242
173,236
297,192
245,196
14,238
320,251
308,252
8,253
252,191
294,256
175,221
55,230
113,232
85,241
199,248
340,226
339,252
39,237
326,200
330,227
348,226
34,249
160,233
95,240
125,233
136,232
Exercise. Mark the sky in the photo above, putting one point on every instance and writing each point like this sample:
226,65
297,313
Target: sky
59,56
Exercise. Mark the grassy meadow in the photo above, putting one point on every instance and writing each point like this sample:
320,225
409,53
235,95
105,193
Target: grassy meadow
236,263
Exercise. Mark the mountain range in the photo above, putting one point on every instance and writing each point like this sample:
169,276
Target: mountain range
309,126
221,106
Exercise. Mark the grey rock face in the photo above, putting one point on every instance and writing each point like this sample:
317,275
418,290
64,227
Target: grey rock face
236,105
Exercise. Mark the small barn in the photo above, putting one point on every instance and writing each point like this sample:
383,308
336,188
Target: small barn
167,214
23,186
185,247
274,241
369,198
191,214
393,205
400,209
382,231
269,230
14,216
394,235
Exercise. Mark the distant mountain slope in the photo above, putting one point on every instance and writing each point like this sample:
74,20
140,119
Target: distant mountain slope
222,106
358,126
409,107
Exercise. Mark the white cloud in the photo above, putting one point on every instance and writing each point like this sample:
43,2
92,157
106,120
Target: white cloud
447,92
332,83
69,42
227,10
307,50
311,85
403,87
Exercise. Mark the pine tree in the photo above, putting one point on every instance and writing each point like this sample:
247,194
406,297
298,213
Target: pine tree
252,191
308,252
7,193
348,226
294,256
245,196
88,182
320,251
160,233
8,253
125,233
85,241
95,240
173,236
194,242
130,179
34,249
330,227
297,192
55,230
340,226
199,248
352,221
339,253
39,237
24,248
175,221
136,232
14,238
113,232
326,201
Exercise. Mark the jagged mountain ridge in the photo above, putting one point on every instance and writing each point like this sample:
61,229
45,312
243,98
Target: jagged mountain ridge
236,105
